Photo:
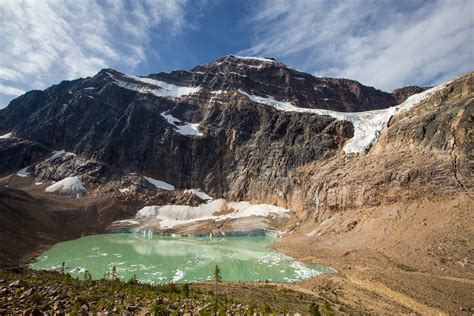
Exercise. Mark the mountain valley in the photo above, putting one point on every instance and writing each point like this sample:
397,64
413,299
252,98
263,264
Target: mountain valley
377,185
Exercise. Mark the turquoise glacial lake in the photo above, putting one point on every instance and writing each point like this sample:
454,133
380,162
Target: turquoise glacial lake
161,259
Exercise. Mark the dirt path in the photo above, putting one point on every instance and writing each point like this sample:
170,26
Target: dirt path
398,297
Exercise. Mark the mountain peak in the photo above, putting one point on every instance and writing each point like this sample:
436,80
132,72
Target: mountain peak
250,58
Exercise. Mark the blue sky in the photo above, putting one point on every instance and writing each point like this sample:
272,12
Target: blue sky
381,43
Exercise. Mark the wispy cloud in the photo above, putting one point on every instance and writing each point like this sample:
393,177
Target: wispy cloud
387,44
50,40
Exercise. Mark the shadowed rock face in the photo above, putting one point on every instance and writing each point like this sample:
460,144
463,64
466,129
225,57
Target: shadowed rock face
18,153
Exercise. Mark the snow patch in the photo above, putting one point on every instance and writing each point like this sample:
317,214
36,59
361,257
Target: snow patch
368,125
124,190
7,135
160,89
23,172
182,127
267,60
160,184
58,153
178,275
199,193
71,186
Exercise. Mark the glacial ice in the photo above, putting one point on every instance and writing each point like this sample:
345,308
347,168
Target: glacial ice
70,186
368,125
173,215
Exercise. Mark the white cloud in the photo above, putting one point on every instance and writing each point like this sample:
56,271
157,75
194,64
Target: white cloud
46,41
380,43
10,90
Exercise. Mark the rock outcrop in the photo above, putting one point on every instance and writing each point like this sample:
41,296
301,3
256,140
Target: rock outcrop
402,94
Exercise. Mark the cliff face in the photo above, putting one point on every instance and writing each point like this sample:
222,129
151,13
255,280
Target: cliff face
425,152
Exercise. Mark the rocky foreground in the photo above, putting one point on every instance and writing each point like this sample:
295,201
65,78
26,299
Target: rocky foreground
31,292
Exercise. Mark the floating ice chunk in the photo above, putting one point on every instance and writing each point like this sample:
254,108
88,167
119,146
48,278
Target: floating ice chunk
160,184
78,270
182,127
178,275
71,186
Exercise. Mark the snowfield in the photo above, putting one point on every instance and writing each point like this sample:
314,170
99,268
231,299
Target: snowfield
7,135
254,58
160,88
182,127
160,184
174,215
70,186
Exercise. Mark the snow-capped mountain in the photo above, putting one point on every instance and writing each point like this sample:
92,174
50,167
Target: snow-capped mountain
239,129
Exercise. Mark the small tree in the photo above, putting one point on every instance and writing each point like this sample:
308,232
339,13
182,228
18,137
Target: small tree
217,278
314,309
186,290
87,276
114,275
133,280
63,267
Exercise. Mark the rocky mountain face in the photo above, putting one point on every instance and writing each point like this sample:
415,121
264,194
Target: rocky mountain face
243,129
402,94
119,121
427,152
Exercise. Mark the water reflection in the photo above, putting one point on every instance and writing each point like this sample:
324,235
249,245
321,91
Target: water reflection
160,259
